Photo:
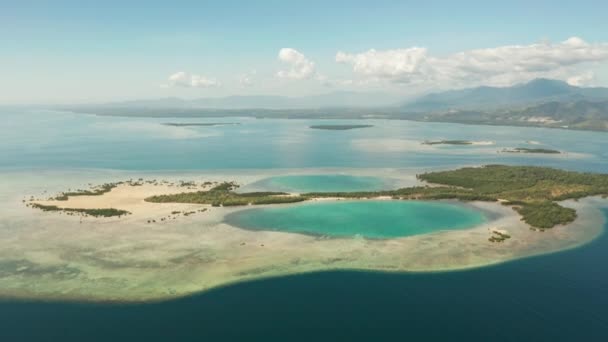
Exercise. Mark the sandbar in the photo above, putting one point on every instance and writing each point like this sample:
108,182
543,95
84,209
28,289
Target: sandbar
141,257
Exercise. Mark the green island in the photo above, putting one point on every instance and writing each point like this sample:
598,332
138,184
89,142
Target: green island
531,150
448,142
96,191
339,127
107,187
532,191
204,124
224,195
97,212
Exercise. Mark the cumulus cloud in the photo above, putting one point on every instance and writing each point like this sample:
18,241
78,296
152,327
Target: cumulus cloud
184,79
385,64
300,67
581,80
247,80
499,65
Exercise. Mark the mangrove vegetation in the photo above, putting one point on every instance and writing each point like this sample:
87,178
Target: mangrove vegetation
532,191
531,150
223,195
339,127
100,212
448,142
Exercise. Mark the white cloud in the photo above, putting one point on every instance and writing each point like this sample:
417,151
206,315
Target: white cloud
247,80
300,67
183,79
584,79
385,64
500,65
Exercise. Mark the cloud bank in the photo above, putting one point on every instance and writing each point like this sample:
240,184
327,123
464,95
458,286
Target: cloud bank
502,65
183,79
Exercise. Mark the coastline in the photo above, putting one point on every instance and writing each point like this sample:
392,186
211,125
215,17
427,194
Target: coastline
129,260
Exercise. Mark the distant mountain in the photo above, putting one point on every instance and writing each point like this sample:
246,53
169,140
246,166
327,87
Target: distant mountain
341,99
487,98
581,114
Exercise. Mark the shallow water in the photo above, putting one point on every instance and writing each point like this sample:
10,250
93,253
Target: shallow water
56,140
556,297
370,219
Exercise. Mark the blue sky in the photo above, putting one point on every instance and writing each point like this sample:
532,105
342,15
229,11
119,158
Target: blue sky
86,51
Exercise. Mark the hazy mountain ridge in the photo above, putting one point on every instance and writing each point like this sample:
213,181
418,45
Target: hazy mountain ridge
539,103
491,98
582,114
343,99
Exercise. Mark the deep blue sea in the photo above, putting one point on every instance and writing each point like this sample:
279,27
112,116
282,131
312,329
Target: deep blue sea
556,297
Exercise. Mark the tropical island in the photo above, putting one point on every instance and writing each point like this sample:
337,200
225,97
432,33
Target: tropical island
457,142
531,191
447,142
178,232
339,127
531,150
204,124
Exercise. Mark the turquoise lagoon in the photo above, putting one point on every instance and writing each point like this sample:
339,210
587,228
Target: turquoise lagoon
369,218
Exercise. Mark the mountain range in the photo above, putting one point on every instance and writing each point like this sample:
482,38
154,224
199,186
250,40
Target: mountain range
480,98
337,99
541,103
534,92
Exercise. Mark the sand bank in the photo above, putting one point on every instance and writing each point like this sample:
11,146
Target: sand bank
51,256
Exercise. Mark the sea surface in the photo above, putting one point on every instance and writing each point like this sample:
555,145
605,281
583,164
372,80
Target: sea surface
369,219
34,139
556,297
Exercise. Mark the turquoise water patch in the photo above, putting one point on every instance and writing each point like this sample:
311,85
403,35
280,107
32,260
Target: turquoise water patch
322,183
371,219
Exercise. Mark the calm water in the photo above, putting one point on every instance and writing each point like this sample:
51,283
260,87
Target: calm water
372,219
558,297
52,140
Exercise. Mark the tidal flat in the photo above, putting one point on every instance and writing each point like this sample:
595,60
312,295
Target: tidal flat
45,255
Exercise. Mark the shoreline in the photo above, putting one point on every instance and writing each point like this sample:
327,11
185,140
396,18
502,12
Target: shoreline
128,260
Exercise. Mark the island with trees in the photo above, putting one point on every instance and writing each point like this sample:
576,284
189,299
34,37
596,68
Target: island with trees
532,191
202,124
447,142
531,150
339,127
176,233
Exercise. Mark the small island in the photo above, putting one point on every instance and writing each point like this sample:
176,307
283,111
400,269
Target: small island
531,150
456,142
204,124
448,142
339,127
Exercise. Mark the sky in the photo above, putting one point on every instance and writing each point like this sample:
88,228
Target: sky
98,51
